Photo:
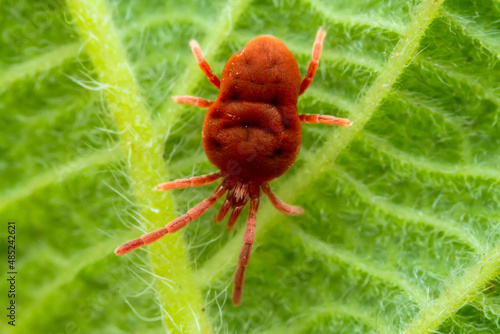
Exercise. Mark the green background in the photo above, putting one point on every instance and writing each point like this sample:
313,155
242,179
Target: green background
401,228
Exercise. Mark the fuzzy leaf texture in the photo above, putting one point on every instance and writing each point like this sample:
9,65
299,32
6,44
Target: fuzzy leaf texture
401,231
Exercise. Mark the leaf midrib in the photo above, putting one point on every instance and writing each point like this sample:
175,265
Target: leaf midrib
182,309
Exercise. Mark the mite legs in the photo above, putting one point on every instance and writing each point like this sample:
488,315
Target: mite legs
234,216
248,240
198,54
314,63
311,71
192,100
174,225
212,77
325,119
194,181
223,211
280,205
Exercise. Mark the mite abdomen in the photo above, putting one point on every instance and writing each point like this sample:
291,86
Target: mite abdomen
254,141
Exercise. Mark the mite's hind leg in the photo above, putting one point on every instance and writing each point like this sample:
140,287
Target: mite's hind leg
325,119
248,239
281,206
198,54
194,181
174,225
193,101
314,63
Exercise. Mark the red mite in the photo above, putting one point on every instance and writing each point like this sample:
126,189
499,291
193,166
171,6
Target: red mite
251,132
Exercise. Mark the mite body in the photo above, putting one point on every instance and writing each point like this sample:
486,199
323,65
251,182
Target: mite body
252,130
251,133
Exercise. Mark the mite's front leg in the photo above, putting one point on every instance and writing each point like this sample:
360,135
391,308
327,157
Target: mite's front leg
314,63
198,54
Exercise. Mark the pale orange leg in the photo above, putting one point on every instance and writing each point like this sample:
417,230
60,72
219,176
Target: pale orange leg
223,211
174,225
198,54
325,119
314,63
281,206
194,181
234,216
248,239
193,101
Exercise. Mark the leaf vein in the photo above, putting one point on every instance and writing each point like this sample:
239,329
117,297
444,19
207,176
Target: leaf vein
474,171
388,276
311,315
59,174
448,227
94,22
474,31
457,293
350,19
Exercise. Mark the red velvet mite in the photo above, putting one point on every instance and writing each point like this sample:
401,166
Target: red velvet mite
251,133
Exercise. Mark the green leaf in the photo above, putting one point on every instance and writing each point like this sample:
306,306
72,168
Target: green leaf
400,233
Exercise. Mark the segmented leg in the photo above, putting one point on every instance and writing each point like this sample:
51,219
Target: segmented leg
248,240
174,225
198,54
281,206
234,216
314,63
194,181
325,119
193,101
223,211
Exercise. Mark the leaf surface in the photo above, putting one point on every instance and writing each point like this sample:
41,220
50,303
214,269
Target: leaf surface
400,232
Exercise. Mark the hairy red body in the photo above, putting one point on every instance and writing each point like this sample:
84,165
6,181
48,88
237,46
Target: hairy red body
251,132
